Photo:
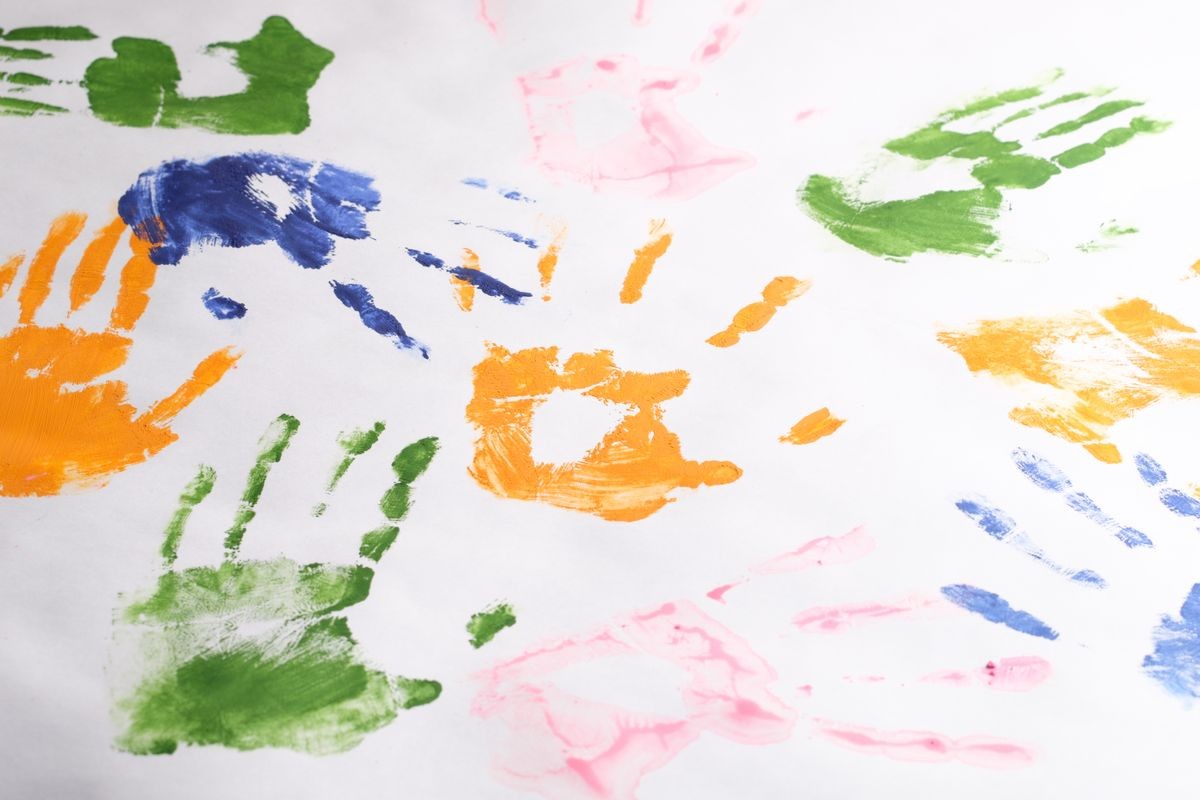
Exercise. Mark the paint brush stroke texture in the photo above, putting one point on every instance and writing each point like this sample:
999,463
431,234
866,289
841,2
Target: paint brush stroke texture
249,199
1175,662
627,476
963,222
253,654
1092,369
139,86
563,745
60,425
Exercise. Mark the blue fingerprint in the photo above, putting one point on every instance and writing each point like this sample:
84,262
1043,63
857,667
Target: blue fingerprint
507,194
357,297
223,307
181,204
995,608
1150,470
492,287
1154,475
426,259
528,241
1175,662
1047,476
479,183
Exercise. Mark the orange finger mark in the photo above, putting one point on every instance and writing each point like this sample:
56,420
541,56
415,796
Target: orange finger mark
816,425
137,277
627,476
8,271
464,291
206,375
89,275
778,293
64,230
549,259
643,262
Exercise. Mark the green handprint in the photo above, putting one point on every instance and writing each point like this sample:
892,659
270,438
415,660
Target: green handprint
140,86
252,654
961,222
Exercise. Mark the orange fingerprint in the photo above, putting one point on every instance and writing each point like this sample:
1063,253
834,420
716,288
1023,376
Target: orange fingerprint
89,277
627,476
59,427
1196,267
777,294
643,261
464,291
1095,369
8,271
63,231
549,259
816,425
133,294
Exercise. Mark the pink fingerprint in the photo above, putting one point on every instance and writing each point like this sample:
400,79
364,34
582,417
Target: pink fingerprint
660,154
724,33
978,751
718,593
564,746
641,12
831,619
1019,674
821,552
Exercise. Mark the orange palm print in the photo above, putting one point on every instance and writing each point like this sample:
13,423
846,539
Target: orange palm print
58,426
625,477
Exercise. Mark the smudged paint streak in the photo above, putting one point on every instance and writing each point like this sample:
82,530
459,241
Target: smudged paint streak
1095,369
833,619
139,86
59,425
180,205
927,746
507,194
821,552
1003,528
1174,499
724,33
812,427
995,608
776,294
562,745
223,307
644,259
252,654
484,625
1175,662
659,155
626,477
356,297
1046,475
512,236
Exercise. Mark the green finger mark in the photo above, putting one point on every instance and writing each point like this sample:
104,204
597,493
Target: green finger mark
353,444
16,107
272,446
417,692
25,79
1099,112
193,494
21,54
992,102
1015,171
946,222
375,543
58,33
1091,151
408,466
484,625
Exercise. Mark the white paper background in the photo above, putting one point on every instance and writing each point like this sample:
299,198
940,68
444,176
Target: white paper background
422,95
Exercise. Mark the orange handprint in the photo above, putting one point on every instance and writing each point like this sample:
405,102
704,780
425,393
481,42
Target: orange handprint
57,427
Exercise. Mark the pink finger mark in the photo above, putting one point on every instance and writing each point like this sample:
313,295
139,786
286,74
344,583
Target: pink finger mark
926,746
641,12
660,155
724,33
1019,674
821,552
484,15
831,619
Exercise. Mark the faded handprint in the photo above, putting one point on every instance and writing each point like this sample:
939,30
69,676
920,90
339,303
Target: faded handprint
962,222
253,654
60,425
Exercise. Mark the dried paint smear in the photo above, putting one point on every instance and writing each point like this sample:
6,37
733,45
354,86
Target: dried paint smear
253,654
627,476
776,294
60,425
812,427
1094,369
563,745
